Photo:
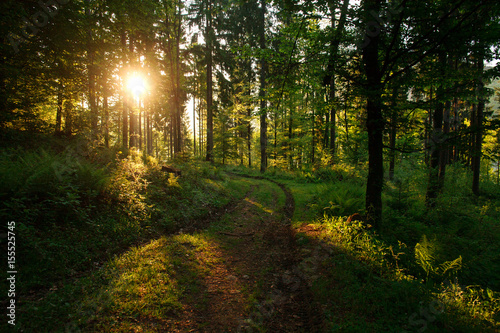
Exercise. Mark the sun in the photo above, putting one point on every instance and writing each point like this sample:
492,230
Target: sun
136,85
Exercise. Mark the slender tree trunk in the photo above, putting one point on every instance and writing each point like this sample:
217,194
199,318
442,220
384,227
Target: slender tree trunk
276,139
60,94
313,140
335,42
106,118
209,55
346,120
393,133
374,121
194,126
435,183
125,112
444,159
428,125
326,139
132,112
91,71
150,134
290,137
456,126
68,117
178,105
139,125
249,131
262,90
92,96
478,135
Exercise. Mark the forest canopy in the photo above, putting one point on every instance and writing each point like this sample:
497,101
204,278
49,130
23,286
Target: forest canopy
289,85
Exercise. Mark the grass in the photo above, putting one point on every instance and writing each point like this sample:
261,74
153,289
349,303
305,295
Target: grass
156,284
426,270
101,250
429,271
74,215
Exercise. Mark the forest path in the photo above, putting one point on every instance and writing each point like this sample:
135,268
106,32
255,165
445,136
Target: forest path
239,274
254,284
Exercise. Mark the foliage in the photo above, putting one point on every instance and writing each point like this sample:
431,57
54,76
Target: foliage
73,214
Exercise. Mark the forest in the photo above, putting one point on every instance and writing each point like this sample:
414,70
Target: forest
250,166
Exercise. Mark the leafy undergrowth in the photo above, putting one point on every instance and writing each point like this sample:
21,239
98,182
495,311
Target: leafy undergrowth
425,270
73,213
429,271
211,279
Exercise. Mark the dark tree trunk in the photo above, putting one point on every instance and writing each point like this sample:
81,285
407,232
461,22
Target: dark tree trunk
60,94
335,42
139,125
210,125
194,126
262,91
178,106
478,134
435,183
125,115
445,152
132,113
313,140
92,97
249,134
106,119
68,118
374,121
393,133
91,71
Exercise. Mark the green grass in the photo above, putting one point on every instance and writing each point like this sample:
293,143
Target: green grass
373,282
73,215
150,285
94,254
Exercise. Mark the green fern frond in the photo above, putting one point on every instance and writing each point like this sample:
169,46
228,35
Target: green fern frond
450,267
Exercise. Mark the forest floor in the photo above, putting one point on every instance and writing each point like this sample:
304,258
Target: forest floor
238,271
260,258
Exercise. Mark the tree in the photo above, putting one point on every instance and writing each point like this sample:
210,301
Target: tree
262,88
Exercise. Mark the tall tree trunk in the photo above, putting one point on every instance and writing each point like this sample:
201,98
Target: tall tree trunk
209,56
313,140
478,134
178,106
338,31
326,139
290,137
374,121
139,122
68,117
125,115
132,112
444,159
262,90
435,183
106,118
194,125
60,95
456,127
150,133
91,71
393,133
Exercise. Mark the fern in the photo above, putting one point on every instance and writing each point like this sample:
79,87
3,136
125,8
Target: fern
426,258
424,255
450,267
